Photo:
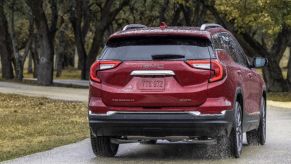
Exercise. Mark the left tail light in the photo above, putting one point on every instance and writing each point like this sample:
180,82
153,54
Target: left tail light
100,65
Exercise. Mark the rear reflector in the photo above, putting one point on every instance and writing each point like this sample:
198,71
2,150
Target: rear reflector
216,68
100,65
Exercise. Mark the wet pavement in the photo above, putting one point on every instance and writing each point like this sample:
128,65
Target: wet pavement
60,93
276,150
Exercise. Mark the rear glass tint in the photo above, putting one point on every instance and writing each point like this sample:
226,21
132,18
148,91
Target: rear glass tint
157,48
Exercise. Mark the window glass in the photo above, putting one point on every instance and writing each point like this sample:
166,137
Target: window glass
243,59
231,46
157,48
228,46
217,42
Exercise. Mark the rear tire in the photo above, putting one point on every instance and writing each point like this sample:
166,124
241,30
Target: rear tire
236,135
263,123
102,146
258,136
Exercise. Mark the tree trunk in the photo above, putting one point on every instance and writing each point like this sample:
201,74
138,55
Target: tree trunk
34,56
14,44
5,46
45,50
29,68
76,21
273,76
22,58
59,65
19,58
199,14
163,11
187,12
60,50
289,69
176,15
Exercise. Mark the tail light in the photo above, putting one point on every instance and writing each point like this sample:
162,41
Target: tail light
216,68
100,65
217,71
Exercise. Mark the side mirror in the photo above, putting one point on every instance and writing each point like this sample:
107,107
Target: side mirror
259,62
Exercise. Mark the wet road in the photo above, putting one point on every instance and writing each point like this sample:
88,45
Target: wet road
60,93
276,150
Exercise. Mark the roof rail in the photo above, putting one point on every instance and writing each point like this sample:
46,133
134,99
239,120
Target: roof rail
206,26
133,26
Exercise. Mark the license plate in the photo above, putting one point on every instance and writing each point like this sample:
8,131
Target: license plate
152,84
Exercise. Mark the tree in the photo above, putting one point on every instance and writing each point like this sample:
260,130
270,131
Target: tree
78,15
289,66
64,48
106,13
5,45
19,40
261,33
45,35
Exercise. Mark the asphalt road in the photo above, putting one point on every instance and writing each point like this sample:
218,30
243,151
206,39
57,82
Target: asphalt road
276,150
61,93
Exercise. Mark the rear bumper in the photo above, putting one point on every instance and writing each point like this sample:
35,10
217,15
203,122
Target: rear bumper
160,124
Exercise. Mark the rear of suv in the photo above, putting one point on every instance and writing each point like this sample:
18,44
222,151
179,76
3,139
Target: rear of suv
178,84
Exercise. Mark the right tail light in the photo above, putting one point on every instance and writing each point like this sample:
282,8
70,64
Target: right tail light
217,70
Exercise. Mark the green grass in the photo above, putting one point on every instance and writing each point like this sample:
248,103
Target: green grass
29,125
279,96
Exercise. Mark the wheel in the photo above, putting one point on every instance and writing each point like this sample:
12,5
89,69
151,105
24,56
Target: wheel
236,136
258,136
102,146
150,142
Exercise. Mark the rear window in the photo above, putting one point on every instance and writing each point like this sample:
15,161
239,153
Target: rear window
157,48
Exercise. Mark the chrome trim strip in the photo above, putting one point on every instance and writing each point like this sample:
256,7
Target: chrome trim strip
152,73
194,113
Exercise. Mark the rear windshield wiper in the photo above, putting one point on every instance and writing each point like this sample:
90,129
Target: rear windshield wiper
166,56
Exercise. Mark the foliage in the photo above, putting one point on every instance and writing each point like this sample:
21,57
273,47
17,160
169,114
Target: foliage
263,18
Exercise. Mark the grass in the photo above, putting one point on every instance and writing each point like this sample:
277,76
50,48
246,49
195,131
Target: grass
29,125
279,96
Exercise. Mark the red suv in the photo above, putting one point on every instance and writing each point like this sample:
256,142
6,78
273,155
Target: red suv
192,84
